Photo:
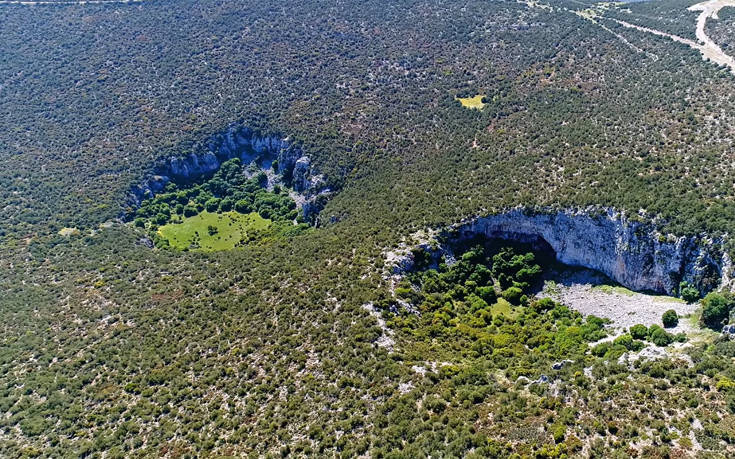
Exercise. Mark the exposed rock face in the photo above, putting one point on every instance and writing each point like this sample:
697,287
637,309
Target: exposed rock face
628,251
241,142
193,165
300,174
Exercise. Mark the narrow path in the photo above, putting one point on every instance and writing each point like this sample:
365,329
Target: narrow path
709,49
706,46
677,38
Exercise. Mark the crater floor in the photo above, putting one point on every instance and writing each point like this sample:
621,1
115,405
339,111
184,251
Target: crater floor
591,293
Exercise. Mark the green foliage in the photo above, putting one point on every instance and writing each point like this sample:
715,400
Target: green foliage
639,331
114,350
204,205
659,336
212,231
559,431
688,293
513,295
514,270
670,319
625,341
716,308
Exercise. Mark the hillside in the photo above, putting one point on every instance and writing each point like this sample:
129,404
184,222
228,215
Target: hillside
251,305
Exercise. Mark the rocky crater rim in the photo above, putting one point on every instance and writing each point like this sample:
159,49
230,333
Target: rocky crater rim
629,249
283,162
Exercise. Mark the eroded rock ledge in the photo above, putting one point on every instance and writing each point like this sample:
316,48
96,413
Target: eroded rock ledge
293,167
628,250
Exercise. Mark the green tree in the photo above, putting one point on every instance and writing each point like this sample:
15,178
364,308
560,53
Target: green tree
226,204
670,319
212,205
715,309
513,295
639,331
659,336
243,206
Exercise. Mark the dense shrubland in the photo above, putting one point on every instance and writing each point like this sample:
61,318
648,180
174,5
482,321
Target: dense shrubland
112,348
721,29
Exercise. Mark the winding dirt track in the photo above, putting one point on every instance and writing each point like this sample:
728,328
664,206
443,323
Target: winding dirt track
709,49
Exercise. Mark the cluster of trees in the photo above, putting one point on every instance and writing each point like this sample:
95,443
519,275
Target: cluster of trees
501,356
229,189
475,278
721,30
115,350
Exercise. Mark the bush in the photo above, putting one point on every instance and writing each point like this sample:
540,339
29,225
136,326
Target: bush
601,349
212,205
670,319
624,340
639,331
488,294
659,336
513,295
226,205
688,293
715,309
243,206
543,305
628,342
190,211
559,431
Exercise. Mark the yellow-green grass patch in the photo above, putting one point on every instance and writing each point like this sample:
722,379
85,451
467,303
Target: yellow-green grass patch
69,232
472,102
231,228
620,290
504,308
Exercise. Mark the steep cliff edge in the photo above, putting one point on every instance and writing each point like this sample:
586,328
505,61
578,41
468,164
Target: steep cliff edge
292,167
628,250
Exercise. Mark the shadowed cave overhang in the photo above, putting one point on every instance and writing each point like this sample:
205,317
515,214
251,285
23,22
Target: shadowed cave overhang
628,250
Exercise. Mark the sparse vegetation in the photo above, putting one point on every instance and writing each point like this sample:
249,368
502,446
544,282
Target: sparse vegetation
113,348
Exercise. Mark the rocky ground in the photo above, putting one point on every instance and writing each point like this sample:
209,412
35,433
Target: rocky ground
591,293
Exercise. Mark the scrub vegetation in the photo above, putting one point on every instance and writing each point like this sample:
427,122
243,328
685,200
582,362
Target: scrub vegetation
223,212
254,336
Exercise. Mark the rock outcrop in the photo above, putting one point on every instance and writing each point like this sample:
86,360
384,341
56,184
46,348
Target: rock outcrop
294,168
628,250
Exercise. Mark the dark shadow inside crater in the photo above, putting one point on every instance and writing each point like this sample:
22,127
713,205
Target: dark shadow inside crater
553,270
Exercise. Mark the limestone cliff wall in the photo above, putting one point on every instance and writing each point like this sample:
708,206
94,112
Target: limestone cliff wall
627,250
239,142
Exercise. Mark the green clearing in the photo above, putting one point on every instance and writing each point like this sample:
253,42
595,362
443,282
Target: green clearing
620,290
472,102
231,228
504,308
